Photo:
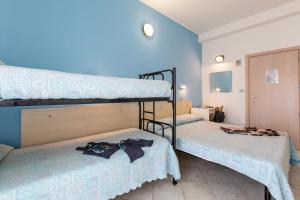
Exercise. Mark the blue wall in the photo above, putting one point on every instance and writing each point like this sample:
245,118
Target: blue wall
96,37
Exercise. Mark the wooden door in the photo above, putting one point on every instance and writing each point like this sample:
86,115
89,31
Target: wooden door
273,98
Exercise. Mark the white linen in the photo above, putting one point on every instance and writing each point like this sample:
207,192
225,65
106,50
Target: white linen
262,158
27,83
58,171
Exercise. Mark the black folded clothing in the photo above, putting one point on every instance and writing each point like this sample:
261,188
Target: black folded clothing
132,147
138,142
101,149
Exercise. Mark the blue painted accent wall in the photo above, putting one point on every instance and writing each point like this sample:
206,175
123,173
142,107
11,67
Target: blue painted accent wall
101,37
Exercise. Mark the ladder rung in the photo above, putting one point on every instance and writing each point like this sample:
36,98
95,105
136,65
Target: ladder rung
148,112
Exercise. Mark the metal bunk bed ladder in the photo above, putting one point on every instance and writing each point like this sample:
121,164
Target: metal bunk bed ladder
142,111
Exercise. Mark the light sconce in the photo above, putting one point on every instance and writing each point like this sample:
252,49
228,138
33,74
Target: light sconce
182,87
220,58
148,30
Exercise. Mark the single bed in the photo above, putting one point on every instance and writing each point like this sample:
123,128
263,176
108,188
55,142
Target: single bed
264,159
18,83
58,171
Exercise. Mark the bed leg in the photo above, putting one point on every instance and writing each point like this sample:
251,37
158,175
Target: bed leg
174,182
267,194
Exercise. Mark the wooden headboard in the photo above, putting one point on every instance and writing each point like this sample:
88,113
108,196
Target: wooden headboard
48,125
164,109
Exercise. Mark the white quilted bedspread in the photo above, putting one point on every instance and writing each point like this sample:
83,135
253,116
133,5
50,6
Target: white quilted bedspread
59,172
27,83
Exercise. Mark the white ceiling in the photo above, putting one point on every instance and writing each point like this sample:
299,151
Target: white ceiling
204,15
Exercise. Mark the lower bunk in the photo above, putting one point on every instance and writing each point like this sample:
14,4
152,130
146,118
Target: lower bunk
58,171
265,159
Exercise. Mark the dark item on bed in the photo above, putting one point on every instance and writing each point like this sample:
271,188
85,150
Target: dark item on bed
101,149
219,116
132,147
253,131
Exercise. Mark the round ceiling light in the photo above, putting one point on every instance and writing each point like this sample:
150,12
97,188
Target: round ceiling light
220,58
148,30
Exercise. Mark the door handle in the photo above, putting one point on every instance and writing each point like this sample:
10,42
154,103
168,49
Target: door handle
254,98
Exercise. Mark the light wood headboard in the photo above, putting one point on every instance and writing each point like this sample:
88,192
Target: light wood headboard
164,109
48,125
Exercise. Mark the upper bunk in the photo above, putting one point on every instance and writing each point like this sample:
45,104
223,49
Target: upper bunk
21,86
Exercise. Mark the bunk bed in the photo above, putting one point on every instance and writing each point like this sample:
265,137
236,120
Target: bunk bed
33,87
264,159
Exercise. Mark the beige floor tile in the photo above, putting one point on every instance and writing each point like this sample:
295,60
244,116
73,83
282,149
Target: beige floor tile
216,174
252,190
164,190
239,178
196,191
227,191
143,193
192,174
295,176
296,192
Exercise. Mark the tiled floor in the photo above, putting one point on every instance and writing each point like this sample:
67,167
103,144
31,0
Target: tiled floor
202,180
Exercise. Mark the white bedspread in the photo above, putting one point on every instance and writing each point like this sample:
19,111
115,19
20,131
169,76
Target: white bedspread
59,172
264,159
26,83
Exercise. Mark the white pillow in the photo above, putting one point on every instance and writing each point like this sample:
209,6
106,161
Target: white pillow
4,150
180,120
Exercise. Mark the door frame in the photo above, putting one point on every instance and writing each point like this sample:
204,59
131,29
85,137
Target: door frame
247,89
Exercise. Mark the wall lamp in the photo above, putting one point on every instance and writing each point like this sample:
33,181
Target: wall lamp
148,30
220,58
182,87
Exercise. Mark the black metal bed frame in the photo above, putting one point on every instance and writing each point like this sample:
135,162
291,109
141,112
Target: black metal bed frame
141,103
268,195
49,102
142,111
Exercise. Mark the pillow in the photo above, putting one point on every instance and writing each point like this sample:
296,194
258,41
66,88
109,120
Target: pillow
4,150
180,120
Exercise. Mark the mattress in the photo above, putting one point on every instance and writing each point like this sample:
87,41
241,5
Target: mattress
27,83
264,159
58,171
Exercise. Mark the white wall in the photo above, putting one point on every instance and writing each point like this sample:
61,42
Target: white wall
280,33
